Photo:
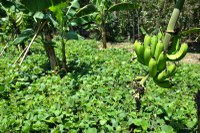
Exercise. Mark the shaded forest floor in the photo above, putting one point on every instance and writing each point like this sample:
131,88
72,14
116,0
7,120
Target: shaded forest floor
192,57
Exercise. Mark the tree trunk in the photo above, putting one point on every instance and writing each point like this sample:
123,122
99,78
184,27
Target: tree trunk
133,30
49,48
51,56
138,24
103,34
64,62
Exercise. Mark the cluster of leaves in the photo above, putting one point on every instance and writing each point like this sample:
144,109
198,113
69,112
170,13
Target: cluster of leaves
94,96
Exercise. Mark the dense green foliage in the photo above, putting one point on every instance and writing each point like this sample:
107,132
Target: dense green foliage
94,96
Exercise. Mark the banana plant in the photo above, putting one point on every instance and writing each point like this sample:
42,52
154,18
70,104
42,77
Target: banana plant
64,13
99,10
14,18
38,8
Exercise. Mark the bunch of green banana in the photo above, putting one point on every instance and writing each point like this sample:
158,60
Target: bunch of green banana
160,63
179,54
19,20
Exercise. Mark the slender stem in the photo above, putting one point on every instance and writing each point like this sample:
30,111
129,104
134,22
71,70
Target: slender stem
172,23
64,62
20,55
142,82
4,49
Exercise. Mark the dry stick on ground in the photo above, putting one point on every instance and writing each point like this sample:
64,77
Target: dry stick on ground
4,49
20,55
37,32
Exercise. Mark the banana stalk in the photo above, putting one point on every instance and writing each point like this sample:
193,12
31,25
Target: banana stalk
142,82
172,23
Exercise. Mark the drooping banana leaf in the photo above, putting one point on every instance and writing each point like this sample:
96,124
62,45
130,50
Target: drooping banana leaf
39,5
72,36
122,6
86,10
23,36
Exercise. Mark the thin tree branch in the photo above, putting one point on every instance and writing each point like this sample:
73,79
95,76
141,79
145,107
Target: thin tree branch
4,49
20,55
36,34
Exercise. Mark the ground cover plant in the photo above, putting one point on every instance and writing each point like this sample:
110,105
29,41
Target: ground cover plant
95,95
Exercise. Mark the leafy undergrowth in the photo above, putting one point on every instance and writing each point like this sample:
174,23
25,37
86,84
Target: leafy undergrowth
94,96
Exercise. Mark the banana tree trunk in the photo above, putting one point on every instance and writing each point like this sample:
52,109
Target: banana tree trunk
50,49
103,35
172,23
64,62
51,56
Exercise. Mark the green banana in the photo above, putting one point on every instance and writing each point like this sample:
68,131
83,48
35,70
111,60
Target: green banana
147,41
139,50
162,75
171,68
180,54
161,62
147,55
166,73
159,49
174,45
19,19
154,41
164,84
152,67
160,35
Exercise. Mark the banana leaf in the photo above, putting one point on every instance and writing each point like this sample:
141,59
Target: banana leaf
122,6
86,10
23,36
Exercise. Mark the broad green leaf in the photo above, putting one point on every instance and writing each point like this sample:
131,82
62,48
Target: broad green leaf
119,128
145,125
6,4
86,10
58,10
38,15
71,35
75,4
39,5
91,130
191,124
27,126
167,129
137,122
2,88
122,6
23,36
103,122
